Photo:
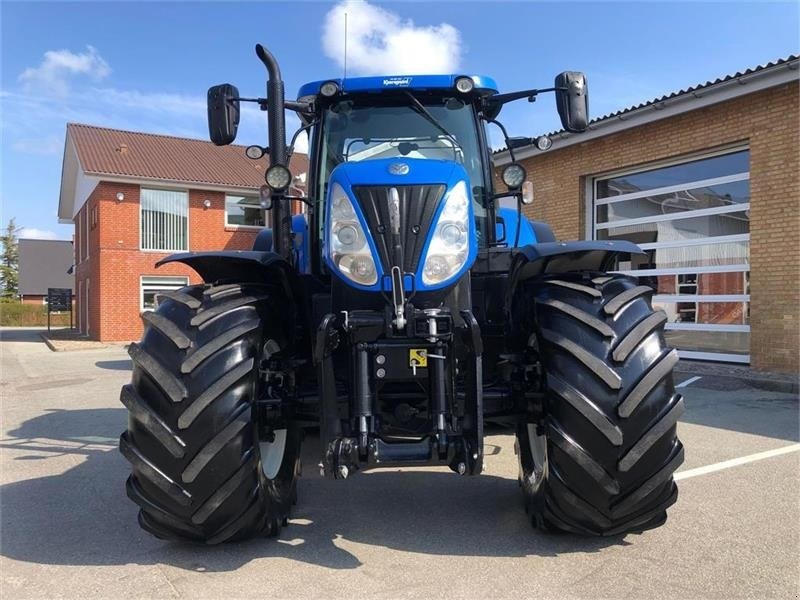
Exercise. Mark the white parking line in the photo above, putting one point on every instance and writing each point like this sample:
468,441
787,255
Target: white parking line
688,381
735,462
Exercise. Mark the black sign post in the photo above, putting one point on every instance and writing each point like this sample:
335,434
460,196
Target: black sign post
59,300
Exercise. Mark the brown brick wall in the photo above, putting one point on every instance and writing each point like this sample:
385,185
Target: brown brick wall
769,121
116,263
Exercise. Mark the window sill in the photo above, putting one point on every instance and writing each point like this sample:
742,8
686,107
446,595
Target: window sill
149,251
251,228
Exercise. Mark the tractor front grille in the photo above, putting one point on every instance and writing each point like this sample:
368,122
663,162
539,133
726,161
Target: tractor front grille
418,204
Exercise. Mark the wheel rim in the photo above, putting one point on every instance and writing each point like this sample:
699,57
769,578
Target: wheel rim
538,448
272,454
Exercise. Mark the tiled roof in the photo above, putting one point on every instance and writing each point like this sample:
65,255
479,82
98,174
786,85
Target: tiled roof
44,264
134,154
691,90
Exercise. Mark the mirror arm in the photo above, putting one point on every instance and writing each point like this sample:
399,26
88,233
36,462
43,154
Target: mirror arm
300,107
517,194
529,94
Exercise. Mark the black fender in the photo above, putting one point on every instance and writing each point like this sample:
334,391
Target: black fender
258,267
543,232
552,258
240,266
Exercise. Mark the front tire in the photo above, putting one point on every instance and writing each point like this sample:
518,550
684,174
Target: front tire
197,470
599,458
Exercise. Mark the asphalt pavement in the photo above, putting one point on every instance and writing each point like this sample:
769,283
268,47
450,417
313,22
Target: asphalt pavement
67,529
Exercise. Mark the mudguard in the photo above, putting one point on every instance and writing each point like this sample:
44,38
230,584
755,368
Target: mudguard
239,266
562,257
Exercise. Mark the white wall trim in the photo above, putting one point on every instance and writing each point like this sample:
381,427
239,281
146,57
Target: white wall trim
701,298
715,356
194,186
707,327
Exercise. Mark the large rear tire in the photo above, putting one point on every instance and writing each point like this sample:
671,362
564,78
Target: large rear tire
197,468
599,458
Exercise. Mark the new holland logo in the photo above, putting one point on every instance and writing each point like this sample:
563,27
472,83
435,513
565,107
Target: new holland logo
397,82
398,168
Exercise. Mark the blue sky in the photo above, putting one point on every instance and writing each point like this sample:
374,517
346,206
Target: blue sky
146,66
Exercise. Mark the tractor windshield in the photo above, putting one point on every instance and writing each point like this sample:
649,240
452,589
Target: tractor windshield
359,129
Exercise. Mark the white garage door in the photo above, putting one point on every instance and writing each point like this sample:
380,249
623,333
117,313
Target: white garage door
692,218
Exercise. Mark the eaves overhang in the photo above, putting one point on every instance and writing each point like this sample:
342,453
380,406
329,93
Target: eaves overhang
734,86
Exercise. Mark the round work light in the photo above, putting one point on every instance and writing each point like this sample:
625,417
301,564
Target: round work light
514,176
465,84
278,177
329,89
254,152
543,143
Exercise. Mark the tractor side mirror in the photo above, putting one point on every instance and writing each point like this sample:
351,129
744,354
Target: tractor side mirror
223,113
572,101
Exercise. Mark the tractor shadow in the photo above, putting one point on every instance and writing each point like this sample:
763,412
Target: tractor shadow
81,516
115,365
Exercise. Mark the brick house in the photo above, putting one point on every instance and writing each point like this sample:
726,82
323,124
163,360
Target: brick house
707,181
135,198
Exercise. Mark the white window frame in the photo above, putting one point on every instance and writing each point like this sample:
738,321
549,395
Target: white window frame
592,227
188,221
238,226
78,239
175,285
85,231
86,306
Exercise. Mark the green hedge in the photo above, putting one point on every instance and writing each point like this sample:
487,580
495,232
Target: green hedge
17,314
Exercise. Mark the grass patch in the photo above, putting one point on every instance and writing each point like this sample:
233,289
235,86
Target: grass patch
17,314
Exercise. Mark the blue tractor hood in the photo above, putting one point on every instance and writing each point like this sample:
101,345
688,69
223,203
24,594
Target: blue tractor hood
402,172
399,171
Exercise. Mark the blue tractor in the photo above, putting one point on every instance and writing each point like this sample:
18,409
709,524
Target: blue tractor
400,313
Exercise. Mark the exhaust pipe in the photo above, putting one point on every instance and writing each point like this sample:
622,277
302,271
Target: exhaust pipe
281,210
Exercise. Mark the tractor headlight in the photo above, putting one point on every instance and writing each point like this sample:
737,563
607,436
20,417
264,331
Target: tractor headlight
449,246
348,243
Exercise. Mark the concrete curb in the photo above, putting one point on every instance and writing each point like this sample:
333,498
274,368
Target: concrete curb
745,376
70,345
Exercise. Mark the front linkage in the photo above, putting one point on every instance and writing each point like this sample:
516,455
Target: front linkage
422,382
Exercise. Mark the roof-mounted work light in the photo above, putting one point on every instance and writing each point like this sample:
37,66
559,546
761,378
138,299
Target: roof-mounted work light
465,84
329,89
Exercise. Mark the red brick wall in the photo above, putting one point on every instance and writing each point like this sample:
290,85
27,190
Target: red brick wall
769,122
116,262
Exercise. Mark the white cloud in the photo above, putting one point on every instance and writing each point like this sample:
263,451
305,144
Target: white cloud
381,42
31,233
58,67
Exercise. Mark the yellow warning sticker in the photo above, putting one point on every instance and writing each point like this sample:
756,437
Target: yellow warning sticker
417,357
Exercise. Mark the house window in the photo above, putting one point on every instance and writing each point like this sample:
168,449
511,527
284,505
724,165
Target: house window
692,219
94,217
243,211
164,217
151,286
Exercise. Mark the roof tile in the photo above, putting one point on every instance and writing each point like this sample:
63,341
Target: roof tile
103,151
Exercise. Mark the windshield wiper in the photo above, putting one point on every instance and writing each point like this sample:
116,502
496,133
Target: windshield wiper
431,119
